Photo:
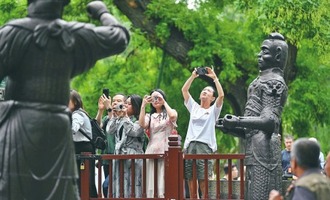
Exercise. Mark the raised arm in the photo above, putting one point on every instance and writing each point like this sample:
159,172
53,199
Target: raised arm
221,95
111,36
187,84
146,100
171,112
100,111
98,10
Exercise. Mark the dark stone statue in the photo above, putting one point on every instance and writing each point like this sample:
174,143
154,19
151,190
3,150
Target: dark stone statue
260,125
39,55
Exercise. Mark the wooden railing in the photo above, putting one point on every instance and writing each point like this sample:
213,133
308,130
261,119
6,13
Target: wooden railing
174,173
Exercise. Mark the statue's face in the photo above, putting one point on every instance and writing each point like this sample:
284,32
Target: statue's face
266,57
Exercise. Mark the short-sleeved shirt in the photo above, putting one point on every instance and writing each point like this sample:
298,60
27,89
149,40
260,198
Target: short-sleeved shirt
80,121
285,160
202,124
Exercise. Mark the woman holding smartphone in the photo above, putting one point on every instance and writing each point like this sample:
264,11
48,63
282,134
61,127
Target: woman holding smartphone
159,123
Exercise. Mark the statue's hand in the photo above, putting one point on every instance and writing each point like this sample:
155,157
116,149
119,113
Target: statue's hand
230,121
96,8
228,126
219,125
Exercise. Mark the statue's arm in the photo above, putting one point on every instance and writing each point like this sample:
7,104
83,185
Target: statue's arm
269,119
96,42
237,132
264,123
113,35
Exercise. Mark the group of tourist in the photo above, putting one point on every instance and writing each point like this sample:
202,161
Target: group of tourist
127,126
259,127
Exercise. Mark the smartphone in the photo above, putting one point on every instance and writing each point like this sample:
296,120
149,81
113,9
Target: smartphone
106,92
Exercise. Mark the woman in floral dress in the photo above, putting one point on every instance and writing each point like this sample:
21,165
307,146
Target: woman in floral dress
159,123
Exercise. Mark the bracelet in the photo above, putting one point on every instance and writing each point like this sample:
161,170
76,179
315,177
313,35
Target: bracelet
109,110
216,79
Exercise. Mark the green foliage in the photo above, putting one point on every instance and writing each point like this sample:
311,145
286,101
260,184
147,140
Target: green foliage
12,9
211,31
130,73
296,19
308,102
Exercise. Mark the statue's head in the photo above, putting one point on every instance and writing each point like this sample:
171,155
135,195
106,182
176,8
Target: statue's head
46,9
274,52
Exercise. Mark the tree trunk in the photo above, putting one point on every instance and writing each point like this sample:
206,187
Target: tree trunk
178,47
290,69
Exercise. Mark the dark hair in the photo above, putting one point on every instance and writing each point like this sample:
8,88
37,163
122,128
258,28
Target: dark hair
288,137
136,102
214,90
76,99
282,48
225,168
152,108
306,153
122,94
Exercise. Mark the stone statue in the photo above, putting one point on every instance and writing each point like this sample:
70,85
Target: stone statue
39,55
260,125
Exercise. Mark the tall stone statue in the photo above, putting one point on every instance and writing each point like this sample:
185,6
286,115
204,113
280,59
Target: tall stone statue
260,125
39,55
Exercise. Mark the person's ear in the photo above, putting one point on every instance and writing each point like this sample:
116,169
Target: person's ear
278,54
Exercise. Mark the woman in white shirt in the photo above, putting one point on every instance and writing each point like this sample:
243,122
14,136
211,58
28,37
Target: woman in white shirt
81,123
200,137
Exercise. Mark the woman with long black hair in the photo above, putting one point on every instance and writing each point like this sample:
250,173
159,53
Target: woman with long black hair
129,139
159,123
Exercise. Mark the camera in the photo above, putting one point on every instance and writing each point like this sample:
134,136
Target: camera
154,99
106,92
118,107
201,70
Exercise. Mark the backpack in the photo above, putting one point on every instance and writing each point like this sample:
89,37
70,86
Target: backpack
99,139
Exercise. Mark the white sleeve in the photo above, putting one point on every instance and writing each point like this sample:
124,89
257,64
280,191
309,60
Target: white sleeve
77,122
190,103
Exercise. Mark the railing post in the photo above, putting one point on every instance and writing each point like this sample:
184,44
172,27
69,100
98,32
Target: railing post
173,171
84,176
